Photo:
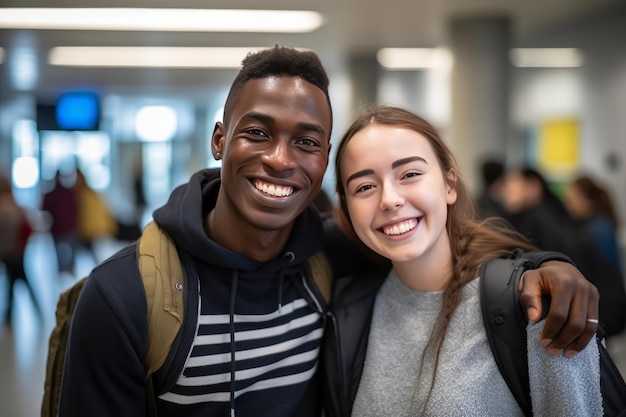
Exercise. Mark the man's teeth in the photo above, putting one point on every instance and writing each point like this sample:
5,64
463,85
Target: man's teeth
398,229
273,189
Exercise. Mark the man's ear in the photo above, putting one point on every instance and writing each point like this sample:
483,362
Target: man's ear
218,140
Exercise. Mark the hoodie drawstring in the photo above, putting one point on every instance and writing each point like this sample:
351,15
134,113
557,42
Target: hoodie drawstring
233,296
281,280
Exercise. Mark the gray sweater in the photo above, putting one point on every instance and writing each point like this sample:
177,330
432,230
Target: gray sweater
468,382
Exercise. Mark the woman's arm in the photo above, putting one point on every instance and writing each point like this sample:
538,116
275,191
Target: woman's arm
561,386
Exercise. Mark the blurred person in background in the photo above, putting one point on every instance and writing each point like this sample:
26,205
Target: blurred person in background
130,226
489,200
15,230
61,203
95,220
591,204
595,224
535,210
139,194
539,214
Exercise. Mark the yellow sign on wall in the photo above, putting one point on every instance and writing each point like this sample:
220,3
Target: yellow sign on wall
558,145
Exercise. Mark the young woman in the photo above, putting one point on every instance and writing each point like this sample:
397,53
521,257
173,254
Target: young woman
427,352
591,204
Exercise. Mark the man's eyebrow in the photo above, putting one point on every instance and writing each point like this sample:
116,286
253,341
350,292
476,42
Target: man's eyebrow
394,165
313,127
264,118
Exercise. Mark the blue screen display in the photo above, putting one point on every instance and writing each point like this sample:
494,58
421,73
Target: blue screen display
78,111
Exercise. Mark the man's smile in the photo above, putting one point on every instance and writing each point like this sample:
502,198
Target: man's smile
273,190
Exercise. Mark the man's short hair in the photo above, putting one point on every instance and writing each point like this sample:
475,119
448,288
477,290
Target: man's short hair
278,61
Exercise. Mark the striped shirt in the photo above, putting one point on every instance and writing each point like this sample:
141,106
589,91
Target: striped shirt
275,354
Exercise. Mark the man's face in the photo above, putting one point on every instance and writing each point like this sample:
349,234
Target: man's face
274,150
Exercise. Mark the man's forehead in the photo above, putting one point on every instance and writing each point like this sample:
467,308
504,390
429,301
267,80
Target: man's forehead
281,91
277,81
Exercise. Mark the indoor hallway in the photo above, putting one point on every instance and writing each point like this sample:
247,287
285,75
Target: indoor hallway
24,346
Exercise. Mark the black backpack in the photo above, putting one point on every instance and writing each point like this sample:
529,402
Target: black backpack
505,322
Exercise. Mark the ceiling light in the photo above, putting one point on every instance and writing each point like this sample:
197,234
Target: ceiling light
156,123
177,20
23,68
137,56
546,57
414,58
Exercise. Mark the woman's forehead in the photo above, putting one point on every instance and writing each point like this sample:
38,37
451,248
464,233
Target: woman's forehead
388,139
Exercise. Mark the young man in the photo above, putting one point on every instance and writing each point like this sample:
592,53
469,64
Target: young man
251,336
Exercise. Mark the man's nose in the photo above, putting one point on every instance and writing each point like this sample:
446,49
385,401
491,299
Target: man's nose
280,156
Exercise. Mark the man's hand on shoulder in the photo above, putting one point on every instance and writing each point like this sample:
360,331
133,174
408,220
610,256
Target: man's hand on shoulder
573,300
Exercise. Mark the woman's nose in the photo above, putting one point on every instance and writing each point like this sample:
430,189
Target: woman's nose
391,198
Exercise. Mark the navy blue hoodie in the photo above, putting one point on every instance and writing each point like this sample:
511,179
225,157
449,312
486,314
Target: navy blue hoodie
267,316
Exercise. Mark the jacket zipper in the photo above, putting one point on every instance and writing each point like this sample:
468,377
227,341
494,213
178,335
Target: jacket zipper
343,387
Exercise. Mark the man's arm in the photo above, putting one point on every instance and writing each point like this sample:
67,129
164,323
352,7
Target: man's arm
573,300
104,373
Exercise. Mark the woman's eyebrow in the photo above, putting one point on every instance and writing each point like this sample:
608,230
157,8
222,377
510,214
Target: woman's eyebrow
394,165
359,174
403,161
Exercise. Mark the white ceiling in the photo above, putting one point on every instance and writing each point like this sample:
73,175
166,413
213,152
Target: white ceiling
351,27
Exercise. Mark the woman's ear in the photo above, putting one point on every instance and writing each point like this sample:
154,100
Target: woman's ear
451,180
218,140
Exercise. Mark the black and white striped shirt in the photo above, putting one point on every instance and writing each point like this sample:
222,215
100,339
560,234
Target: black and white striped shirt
275,351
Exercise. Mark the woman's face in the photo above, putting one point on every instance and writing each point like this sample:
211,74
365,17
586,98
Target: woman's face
576,202
396,192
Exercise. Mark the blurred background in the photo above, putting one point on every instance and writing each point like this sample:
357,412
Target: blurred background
116,104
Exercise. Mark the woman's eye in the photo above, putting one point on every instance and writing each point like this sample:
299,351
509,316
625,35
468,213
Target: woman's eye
412,174
364,188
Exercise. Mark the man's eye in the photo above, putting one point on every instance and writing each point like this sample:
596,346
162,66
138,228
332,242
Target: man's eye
307,142
256,132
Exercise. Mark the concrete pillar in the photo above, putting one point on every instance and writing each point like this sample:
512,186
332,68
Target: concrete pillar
364,77
480,92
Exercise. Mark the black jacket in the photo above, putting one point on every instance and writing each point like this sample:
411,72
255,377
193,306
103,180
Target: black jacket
104,372
347,329
357,281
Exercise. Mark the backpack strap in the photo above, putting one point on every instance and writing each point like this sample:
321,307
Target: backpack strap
322,274
164,281
505,323
57,345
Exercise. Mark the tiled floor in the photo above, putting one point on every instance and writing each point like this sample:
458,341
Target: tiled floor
23,348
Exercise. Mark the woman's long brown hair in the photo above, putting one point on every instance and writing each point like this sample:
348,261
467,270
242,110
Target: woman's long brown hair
471,242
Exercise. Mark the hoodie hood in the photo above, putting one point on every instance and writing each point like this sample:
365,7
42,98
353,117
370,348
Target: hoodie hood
225,275
183,218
